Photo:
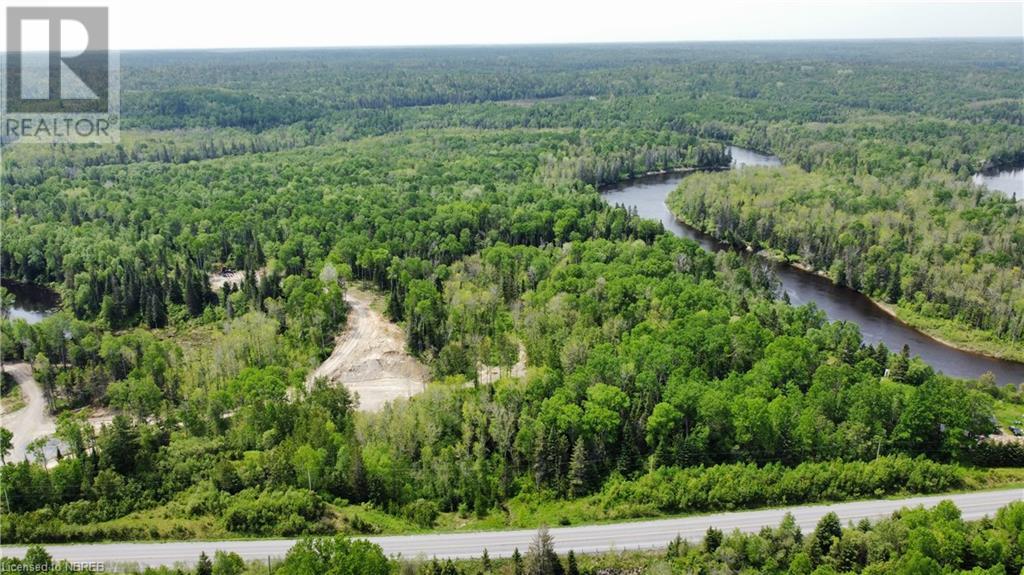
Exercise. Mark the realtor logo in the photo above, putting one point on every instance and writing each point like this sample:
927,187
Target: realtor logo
61,77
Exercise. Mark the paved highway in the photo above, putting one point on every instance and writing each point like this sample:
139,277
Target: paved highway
592,538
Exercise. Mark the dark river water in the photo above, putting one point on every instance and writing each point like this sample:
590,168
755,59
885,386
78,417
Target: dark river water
648,195
32,303
1010,182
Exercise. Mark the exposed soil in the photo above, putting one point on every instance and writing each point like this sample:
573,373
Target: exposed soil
34,420
370,357
487,374
236,277
1005,437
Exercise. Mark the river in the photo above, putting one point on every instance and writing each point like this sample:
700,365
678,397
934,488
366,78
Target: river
32,303
648,195
1010,181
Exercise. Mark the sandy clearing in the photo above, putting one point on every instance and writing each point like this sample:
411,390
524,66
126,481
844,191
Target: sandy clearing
236,277
488,374
1005,437
218,279
370,357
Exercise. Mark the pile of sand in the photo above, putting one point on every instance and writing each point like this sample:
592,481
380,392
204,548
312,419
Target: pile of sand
370,357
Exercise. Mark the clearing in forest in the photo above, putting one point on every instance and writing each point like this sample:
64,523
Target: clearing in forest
370,357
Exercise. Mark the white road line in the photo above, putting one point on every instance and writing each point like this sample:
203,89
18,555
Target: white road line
584,539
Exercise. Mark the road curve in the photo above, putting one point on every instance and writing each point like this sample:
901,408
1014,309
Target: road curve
32,421
585,539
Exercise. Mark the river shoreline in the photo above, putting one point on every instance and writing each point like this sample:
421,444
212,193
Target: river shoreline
32,302
892,310
935,343
685,170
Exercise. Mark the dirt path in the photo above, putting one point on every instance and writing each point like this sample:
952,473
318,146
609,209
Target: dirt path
34,420
370,357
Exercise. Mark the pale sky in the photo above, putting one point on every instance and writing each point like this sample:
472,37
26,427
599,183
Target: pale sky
180,24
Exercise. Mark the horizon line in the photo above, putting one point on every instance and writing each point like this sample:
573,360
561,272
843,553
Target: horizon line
567,44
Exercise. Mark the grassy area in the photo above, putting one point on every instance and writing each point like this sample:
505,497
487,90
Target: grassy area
1008,414
956,334
11,399
378,299
168,523
528,512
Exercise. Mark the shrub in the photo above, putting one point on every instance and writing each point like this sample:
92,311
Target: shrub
360,525
998,454
733,486
335,556
227,564
273,512
421,512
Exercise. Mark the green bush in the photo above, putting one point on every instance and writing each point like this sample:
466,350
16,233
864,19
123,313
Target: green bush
360,525
734,486
421,512
335,556
227,564
273,512
997,454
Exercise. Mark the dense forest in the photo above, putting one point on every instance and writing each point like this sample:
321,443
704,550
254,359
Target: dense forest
939,247
463,186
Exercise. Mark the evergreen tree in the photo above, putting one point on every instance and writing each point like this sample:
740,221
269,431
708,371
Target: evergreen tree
675,547
540,460
517,563
204,566
542,559
37,559
712,539
357,481
900,365
578,470
828,531
572,568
